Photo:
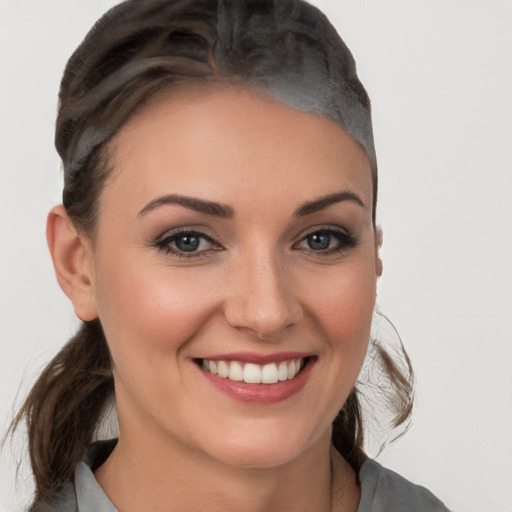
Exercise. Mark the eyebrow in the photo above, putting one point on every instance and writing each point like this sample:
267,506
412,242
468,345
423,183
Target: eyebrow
199,205
227,212
325,201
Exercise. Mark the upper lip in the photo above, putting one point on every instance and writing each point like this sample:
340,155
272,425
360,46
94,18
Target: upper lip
253,357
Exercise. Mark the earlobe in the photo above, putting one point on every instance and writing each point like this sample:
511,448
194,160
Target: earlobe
72,259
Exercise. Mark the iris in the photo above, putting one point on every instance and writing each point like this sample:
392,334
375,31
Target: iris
319,241
188,243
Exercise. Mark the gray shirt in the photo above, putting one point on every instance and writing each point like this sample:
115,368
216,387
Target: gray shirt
382,490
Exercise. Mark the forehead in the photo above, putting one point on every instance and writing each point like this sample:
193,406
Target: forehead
233,143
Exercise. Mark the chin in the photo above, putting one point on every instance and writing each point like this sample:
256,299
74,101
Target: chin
262,448
256,456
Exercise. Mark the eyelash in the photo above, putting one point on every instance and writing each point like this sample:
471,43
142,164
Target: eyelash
345,241
163,243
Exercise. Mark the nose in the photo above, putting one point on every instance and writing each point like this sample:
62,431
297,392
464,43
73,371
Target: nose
261,298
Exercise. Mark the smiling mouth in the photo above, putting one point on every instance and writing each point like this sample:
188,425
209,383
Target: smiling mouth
252,373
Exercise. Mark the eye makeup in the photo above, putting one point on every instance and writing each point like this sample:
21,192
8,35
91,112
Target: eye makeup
187,242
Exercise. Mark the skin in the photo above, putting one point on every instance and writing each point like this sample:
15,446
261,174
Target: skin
256,287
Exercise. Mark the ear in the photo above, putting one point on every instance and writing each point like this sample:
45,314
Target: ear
73,262
378,244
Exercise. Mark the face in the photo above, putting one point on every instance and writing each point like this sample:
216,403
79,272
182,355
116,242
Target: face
234,271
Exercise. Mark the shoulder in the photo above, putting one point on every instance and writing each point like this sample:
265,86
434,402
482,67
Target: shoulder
64,502
383,490
83,493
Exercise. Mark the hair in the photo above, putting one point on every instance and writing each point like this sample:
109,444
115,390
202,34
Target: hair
284,49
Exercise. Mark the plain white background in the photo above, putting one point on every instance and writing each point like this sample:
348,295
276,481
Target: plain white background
439,75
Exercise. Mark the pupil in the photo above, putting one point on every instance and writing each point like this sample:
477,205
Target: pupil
319,241
187,243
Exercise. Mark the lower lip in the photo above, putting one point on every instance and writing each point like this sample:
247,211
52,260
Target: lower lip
261,393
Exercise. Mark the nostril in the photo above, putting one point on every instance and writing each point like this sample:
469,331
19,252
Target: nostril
263,322
261,296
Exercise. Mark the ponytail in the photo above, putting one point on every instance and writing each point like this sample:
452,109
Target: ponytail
383,393
347,432
64,407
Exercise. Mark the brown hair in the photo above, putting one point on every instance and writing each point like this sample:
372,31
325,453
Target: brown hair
285,49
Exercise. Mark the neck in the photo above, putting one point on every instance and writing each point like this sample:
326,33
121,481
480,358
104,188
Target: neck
151,475
151,469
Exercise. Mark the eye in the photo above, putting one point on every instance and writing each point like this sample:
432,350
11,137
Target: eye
185,243
189,243
327,241
319,241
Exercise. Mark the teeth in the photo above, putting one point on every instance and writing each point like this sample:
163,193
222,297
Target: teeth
222,369
269,374
291,369
236,371
252,373
282,371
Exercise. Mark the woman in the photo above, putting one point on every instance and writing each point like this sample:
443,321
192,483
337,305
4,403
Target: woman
217,238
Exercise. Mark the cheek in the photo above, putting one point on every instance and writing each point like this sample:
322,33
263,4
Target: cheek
149,317
152,311
344,311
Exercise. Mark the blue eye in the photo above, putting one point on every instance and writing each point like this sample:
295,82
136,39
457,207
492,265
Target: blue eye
327,241
319,241
186,243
